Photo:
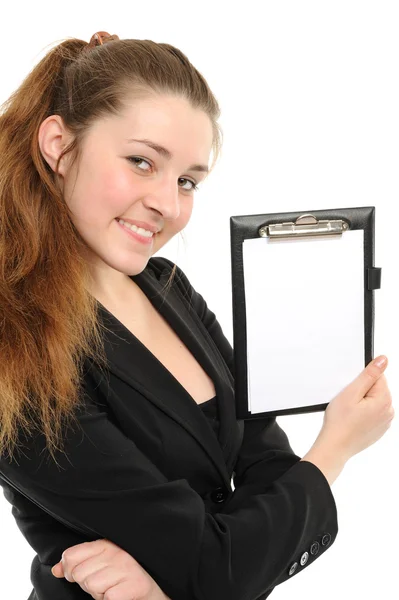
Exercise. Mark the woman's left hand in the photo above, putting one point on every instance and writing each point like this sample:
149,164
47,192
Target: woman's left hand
106,572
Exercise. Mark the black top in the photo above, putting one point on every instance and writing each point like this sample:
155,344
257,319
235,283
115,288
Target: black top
145,471
210,410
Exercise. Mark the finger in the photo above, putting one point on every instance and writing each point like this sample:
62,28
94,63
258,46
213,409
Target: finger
73,556
89,571
79,551
132,590
379,388
97,581
82,551
58,570
96,577
367,378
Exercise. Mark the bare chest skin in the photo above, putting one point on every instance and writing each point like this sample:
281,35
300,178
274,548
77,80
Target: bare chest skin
139,316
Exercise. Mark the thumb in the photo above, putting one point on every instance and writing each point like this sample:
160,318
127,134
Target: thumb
58,570
370,374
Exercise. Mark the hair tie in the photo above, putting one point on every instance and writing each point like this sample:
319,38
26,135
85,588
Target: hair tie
100,38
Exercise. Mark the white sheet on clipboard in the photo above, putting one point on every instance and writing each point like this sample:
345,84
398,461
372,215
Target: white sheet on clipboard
305,318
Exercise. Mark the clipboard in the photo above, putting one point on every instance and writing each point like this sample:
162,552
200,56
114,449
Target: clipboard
303,307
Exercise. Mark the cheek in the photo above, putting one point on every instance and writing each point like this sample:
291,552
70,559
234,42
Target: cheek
116,181
185,212
113,199
172,229
115,192
99,194
184,217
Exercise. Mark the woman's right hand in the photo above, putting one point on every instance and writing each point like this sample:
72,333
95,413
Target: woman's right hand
360,414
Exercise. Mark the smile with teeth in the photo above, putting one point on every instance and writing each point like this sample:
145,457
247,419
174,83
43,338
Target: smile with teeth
140,230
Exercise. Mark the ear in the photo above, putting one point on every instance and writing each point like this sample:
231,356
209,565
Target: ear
52,139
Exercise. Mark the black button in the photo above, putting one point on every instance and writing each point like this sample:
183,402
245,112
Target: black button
293,568
326,539
314,548
219,495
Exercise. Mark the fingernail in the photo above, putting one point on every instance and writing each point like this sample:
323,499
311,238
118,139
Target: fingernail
380,362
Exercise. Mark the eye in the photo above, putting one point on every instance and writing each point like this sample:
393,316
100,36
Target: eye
133,159
193,187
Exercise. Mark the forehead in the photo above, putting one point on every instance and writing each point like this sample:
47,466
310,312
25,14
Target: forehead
167,120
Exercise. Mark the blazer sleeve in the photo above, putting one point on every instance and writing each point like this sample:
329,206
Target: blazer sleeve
265,452
105,486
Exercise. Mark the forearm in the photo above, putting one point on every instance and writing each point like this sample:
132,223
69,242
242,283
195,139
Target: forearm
327,458
156,593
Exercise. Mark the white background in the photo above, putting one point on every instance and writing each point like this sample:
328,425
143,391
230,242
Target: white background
310,103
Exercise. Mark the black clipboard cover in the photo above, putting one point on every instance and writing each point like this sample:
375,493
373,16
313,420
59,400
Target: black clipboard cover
244,227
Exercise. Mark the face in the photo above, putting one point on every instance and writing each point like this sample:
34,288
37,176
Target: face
118,179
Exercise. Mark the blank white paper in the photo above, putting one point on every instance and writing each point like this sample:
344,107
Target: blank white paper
304,302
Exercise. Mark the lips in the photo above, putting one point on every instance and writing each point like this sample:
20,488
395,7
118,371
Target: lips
143,224
147,240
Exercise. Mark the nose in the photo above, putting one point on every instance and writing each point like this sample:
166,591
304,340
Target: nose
164,197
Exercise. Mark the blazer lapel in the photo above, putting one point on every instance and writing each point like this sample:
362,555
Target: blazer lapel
151,378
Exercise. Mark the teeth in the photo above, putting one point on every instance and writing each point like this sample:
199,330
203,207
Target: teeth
139,230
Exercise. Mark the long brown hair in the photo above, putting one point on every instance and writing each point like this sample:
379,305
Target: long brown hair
49,322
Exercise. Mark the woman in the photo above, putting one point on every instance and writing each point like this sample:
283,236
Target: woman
101,149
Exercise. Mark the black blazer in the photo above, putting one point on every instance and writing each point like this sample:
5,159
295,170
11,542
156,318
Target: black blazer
149,473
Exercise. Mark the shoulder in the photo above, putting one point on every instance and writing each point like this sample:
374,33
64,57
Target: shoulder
158,264
162,268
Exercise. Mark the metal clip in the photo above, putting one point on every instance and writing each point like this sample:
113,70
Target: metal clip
305,225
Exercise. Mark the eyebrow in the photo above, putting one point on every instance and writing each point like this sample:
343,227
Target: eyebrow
167,154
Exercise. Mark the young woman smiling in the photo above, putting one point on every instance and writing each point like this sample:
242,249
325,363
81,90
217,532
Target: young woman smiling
101,150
